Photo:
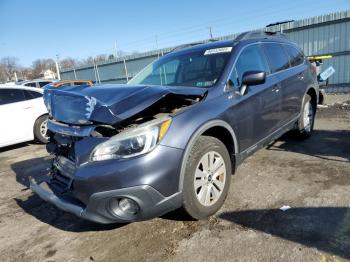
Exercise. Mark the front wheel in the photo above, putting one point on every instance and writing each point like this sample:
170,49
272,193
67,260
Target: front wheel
207,178
40,129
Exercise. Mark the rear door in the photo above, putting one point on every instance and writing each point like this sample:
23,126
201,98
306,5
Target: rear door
289,80
257,113
294,82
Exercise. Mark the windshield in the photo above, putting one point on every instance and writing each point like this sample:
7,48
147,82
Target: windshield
196,69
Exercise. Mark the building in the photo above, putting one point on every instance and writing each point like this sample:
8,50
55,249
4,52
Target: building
48,74
321,35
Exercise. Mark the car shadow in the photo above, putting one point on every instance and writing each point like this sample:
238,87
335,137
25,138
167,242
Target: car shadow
324,228
49,214
12,147
18,146
324,144
46,212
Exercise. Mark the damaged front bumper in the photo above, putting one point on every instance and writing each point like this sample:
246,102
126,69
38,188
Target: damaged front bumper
151,203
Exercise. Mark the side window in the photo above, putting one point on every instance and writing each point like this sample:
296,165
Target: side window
41,84
251,59
31,84
295,55
31,94
277,56
8,96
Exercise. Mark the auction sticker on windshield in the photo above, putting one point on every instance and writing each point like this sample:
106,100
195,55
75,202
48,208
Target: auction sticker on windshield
218,50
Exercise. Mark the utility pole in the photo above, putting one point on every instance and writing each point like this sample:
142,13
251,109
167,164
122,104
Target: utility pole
157,45
115,50
98,74
75,74
93,60
210,32
58,68
126,71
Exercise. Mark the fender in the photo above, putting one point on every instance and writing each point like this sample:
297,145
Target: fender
196,135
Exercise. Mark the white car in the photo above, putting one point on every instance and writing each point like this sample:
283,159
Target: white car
23,115
39,83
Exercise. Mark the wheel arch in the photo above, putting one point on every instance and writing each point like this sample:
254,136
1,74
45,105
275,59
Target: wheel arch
215,128
311,91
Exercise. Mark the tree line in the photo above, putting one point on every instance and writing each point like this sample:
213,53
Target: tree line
10,65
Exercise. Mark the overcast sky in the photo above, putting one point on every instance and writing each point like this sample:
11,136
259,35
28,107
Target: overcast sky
41,29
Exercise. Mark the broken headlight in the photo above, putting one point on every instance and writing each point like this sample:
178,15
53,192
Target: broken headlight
132,142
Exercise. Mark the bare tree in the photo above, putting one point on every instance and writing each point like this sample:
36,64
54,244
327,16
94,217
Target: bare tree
40,65
69,62
88,61
101,58
3,76
8,67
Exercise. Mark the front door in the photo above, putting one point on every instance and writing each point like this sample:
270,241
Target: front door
255,114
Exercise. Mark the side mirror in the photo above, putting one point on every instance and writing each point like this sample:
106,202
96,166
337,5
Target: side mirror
252,78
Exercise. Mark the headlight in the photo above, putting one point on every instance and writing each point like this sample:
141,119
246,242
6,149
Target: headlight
133,142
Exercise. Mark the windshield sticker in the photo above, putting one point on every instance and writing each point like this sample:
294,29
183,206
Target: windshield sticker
218,50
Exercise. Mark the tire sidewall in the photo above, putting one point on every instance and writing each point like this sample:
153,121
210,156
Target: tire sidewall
190,202
302,130
37,134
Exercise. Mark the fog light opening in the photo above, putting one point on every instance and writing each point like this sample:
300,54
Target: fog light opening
124,207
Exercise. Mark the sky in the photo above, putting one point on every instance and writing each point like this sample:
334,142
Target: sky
32,29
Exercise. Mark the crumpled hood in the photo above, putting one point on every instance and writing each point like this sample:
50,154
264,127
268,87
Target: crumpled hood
108,104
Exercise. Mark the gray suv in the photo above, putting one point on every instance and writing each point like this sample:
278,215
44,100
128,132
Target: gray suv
173,135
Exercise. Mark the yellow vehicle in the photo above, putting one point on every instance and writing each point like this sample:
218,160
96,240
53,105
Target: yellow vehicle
72,83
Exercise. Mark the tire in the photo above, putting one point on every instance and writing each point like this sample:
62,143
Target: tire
38,129
307,118
194,203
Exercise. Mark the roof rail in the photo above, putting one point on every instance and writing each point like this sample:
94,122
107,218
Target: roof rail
192,44
280,23
260,34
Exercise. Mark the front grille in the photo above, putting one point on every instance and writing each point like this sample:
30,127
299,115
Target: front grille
63,173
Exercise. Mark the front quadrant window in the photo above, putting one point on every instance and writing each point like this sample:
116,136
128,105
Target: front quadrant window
195,69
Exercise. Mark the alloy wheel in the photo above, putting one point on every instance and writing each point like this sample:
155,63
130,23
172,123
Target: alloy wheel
210,178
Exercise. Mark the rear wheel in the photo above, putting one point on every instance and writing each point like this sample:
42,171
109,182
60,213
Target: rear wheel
207,178
40,129
307,118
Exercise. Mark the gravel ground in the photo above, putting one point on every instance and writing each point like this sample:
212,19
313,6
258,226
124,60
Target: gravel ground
312,177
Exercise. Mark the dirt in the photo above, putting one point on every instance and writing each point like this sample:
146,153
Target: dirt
311,176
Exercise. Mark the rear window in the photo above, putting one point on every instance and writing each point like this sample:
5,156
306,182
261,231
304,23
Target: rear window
296,56
31,94
277,57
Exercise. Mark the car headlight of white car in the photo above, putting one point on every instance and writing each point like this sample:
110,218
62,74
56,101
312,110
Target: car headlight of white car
132,142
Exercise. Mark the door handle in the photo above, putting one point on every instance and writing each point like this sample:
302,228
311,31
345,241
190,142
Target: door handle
276,89
28,107
301,76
